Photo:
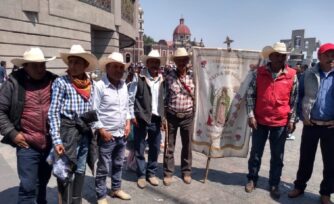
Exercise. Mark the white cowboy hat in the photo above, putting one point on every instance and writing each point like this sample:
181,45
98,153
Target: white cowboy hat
154,54
180,52
114,57
34,54
277,47
78,51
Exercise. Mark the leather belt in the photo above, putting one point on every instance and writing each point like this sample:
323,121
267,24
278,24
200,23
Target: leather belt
322,123
179,114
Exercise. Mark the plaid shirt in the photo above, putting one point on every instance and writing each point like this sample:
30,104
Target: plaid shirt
65,101
251,95
178,99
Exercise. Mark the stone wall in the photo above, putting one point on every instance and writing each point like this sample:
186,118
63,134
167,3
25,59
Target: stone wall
55,25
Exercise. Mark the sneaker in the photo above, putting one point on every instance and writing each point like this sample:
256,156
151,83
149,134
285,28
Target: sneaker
325,199
250,186
275,193
295,193
168,180
141,183
187,179
102,201
121,194
153,180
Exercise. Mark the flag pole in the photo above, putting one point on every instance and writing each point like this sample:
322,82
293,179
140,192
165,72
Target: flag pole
207,165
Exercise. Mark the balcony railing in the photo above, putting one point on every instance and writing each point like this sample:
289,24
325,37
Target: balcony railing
102,4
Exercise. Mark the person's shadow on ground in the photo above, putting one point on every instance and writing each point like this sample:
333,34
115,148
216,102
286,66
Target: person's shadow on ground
234,179
10,195
240,179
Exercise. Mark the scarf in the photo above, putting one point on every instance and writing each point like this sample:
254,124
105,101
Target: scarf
82,86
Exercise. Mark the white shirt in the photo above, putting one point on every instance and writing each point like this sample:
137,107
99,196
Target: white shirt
154,85
112,105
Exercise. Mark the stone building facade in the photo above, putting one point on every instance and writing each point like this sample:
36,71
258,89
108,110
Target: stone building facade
301,48
133,54
100,26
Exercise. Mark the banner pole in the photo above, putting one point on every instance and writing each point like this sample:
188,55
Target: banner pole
207,166
166,139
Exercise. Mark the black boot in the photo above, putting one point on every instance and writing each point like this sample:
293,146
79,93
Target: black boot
64,193
78,183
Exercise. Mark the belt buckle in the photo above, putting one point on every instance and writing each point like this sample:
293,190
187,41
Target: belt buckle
180,115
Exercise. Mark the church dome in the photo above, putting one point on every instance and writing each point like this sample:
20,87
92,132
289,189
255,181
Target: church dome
181,29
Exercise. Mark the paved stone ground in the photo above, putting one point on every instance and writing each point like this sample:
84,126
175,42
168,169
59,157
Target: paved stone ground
225,183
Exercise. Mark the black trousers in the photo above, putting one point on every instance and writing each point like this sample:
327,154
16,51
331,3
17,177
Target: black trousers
186,130
308,148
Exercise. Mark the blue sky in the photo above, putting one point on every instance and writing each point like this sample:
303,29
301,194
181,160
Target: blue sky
252,24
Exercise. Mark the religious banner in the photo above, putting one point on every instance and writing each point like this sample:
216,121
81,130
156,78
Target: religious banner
222,79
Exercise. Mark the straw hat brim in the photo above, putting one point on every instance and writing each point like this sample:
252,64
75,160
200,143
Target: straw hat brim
162,59
269,50
20,61
104,61
90,58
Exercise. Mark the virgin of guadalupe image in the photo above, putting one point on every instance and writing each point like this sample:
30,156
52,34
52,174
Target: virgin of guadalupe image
221,105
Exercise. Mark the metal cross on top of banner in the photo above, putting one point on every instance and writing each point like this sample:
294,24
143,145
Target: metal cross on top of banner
228,42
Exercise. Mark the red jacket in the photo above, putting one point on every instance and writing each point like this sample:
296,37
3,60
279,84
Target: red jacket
272,106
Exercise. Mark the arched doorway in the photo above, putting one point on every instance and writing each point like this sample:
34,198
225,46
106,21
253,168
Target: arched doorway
127,58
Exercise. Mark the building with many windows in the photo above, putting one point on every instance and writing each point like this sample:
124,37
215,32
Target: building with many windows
100,26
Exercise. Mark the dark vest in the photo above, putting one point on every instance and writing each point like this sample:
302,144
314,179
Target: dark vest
143,101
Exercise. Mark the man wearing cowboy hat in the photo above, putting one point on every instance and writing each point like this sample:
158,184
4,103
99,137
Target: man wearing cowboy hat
180,103
316,103
271,106
24,103
72,97
149,112
113,127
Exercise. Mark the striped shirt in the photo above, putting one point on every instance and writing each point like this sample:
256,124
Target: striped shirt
178,98
251,95
65,102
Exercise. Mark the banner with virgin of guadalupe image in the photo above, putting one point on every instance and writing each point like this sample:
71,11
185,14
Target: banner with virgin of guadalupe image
222,78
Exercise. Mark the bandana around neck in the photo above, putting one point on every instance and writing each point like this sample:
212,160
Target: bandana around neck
82,86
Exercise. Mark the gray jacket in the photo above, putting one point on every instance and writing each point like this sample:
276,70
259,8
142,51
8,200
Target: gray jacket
311,88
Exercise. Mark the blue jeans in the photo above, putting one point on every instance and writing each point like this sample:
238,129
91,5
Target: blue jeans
34,173
277,138
153,141
111,156
82,152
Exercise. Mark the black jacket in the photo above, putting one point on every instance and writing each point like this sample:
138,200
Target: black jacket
143,101
71,133
12,95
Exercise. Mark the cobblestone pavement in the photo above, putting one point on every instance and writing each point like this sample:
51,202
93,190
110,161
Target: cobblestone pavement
225,184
